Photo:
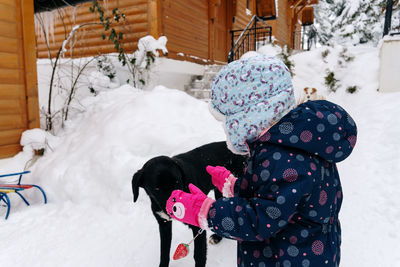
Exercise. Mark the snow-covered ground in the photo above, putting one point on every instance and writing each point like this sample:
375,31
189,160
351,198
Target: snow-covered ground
90,219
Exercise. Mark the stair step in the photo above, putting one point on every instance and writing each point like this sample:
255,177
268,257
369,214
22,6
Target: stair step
200,93
201,85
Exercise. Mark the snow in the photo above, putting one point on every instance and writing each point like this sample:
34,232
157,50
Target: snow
101,82
90,219
149,44
65,42
38,139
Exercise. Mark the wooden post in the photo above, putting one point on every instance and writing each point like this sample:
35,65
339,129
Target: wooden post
212,13
155,18
295,11
388,17
29,42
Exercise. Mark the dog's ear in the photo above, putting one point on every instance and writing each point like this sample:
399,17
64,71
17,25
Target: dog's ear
305,89
136,182
314,90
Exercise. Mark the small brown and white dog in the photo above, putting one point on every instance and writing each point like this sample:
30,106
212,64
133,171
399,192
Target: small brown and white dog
310,94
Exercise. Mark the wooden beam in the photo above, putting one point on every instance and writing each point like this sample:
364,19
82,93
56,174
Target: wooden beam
299,10
234,7
212,7
294,17
155,18
312,2
294,7
29,43
296,4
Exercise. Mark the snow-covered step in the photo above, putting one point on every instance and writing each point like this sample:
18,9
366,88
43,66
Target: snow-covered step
200,93
200,85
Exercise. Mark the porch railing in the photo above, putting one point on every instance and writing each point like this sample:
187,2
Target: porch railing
256,34
388,28
305,38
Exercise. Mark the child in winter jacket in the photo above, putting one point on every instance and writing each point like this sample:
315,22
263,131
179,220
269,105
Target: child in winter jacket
284,210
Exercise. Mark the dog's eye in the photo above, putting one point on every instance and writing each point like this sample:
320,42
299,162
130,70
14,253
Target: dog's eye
173,199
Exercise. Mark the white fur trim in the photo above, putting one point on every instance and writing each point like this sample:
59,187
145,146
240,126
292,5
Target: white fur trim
203,223
203,213
217,115
221,117
227,189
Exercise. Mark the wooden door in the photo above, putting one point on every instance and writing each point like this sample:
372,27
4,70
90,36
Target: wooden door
18,90
220,29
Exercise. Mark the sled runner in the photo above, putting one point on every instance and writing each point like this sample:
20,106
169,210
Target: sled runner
6,188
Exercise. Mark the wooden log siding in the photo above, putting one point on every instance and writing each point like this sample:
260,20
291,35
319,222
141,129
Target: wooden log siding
185,23
281,25
18,89
241,17
88,41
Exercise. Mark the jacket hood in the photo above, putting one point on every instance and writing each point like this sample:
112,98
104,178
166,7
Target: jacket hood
318,127
251,94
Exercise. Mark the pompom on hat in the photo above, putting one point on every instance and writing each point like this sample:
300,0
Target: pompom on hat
250,95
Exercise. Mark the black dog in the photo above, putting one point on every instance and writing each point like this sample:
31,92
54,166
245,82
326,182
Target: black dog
161,175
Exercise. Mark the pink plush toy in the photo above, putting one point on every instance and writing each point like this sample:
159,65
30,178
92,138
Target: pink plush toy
222,179
189,208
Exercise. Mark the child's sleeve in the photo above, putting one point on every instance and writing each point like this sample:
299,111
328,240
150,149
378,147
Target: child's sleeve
270,207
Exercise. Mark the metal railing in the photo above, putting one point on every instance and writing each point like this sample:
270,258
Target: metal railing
256,34
305,38
388,29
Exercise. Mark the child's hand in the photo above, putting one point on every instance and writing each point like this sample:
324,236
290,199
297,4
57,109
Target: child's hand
222,179
186,207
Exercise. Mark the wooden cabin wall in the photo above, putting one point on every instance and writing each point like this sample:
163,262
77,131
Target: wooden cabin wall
191,37
281,26
186,25
88,41
187,34
242,18
18,86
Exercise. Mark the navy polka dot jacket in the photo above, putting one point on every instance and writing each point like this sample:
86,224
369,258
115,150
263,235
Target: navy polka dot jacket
285,208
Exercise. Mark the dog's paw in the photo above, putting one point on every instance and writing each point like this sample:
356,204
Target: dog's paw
214,239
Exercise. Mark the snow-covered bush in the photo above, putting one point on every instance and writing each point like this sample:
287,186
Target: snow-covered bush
330,81
345,57
352,89
324,54
38,139
139,63
104,77
105,66
142,59
284,55
352,22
